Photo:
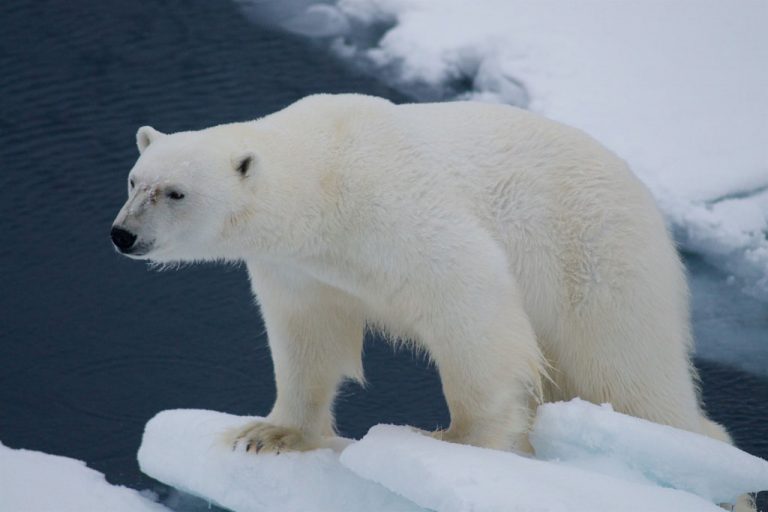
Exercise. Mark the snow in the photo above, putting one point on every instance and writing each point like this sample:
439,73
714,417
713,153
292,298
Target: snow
586,435
185,449
675,88
32,481
596,459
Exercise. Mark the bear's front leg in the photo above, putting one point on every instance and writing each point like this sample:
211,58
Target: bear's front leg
490,367
315,337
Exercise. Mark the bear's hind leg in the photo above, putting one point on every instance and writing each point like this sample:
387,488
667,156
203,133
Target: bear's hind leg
638,364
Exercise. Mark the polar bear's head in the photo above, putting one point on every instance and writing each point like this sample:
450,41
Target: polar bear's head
185,192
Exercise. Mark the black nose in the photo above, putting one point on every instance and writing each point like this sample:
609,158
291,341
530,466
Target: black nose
122,239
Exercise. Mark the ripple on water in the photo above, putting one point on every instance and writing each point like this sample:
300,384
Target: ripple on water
123,388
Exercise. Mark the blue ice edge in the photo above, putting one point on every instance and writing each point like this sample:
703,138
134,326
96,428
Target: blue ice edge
596,459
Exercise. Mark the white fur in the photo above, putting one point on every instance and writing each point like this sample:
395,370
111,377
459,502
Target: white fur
524,257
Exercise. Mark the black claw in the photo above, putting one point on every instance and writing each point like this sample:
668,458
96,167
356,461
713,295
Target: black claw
248,447
259,446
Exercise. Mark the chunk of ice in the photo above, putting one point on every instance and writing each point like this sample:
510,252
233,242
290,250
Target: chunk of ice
595,437
35,481
450,478
184,448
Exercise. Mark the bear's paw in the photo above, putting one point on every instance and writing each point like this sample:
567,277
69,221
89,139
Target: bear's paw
264,437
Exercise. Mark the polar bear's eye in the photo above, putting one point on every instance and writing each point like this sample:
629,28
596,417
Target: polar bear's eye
132,183
172,194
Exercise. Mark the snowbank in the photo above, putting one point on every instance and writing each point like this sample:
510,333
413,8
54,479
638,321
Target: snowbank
37,482
676,88
602,460
184,449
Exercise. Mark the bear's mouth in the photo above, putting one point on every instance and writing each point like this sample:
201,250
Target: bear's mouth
140,250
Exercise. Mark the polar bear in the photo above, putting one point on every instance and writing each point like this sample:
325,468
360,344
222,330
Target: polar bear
521,255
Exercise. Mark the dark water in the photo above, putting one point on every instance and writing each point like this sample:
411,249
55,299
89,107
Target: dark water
92,344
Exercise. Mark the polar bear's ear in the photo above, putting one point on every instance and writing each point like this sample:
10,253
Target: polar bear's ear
244,163
145,136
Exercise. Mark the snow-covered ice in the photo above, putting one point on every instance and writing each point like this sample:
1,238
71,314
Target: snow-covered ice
678,89
32,481
596,437
604,461
185,449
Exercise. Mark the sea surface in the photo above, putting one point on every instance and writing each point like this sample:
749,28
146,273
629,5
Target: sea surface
92,344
